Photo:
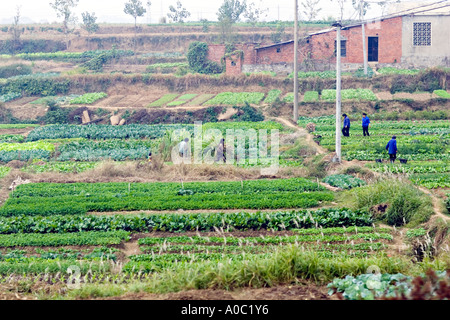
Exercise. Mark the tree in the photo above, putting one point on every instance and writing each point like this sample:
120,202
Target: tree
89,22
205,25
135,9
253,14
63,9
356,4
310,9
148,11
228,14
179,13
15,31
341,4
231,10
279,33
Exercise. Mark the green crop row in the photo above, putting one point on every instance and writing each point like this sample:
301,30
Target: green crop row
266,239
109,149
70,56
432,180
344,181
169,65
20,256
63,239
245,187
163,100
88,98
132,131
272,95
63,167
442,93
17,125
182,99
411,167
39,145
136,131
160,201
52,267
24,155
392,70
257,248
11,138
311,96
10,96
198,101
349,94
236,98
176,222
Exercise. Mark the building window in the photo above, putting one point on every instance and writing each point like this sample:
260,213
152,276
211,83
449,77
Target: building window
233,63
278,50
343,48
422,34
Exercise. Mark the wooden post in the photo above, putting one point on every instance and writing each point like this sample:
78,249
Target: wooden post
363,36
338,91
296,62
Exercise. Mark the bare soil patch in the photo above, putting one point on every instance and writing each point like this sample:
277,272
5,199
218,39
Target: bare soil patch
414,96
384,95
303,291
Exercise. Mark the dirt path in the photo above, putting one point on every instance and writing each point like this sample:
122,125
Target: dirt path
435,200
304,133
130,248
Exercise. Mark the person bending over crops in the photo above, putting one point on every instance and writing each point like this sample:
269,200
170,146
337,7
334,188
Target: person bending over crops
391,147
365,124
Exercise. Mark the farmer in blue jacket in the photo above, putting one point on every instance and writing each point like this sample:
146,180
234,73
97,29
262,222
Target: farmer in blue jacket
391,147
346,128
365,124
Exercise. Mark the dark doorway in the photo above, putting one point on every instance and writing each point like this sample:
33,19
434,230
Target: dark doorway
372,54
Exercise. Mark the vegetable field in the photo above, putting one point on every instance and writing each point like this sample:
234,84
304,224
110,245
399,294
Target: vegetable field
416,140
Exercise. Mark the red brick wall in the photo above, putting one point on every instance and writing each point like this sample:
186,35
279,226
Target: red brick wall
216,52
236,69
321,46
249,53
389,33
270,55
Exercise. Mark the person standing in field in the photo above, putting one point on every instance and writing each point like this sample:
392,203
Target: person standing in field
365,124
391,147
346,128
220,151
183,148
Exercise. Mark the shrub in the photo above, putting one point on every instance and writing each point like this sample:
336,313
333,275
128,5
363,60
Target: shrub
197,59
405,203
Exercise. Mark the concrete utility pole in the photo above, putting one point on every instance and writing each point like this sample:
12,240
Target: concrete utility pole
338,91
296,62
361,17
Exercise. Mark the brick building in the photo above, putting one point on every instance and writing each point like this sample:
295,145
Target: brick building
417,38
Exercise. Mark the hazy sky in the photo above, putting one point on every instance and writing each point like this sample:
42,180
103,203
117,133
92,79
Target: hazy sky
112,10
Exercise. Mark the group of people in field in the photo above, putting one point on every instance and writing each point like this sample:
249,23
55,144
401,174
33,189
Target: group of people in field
391,146
220,155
